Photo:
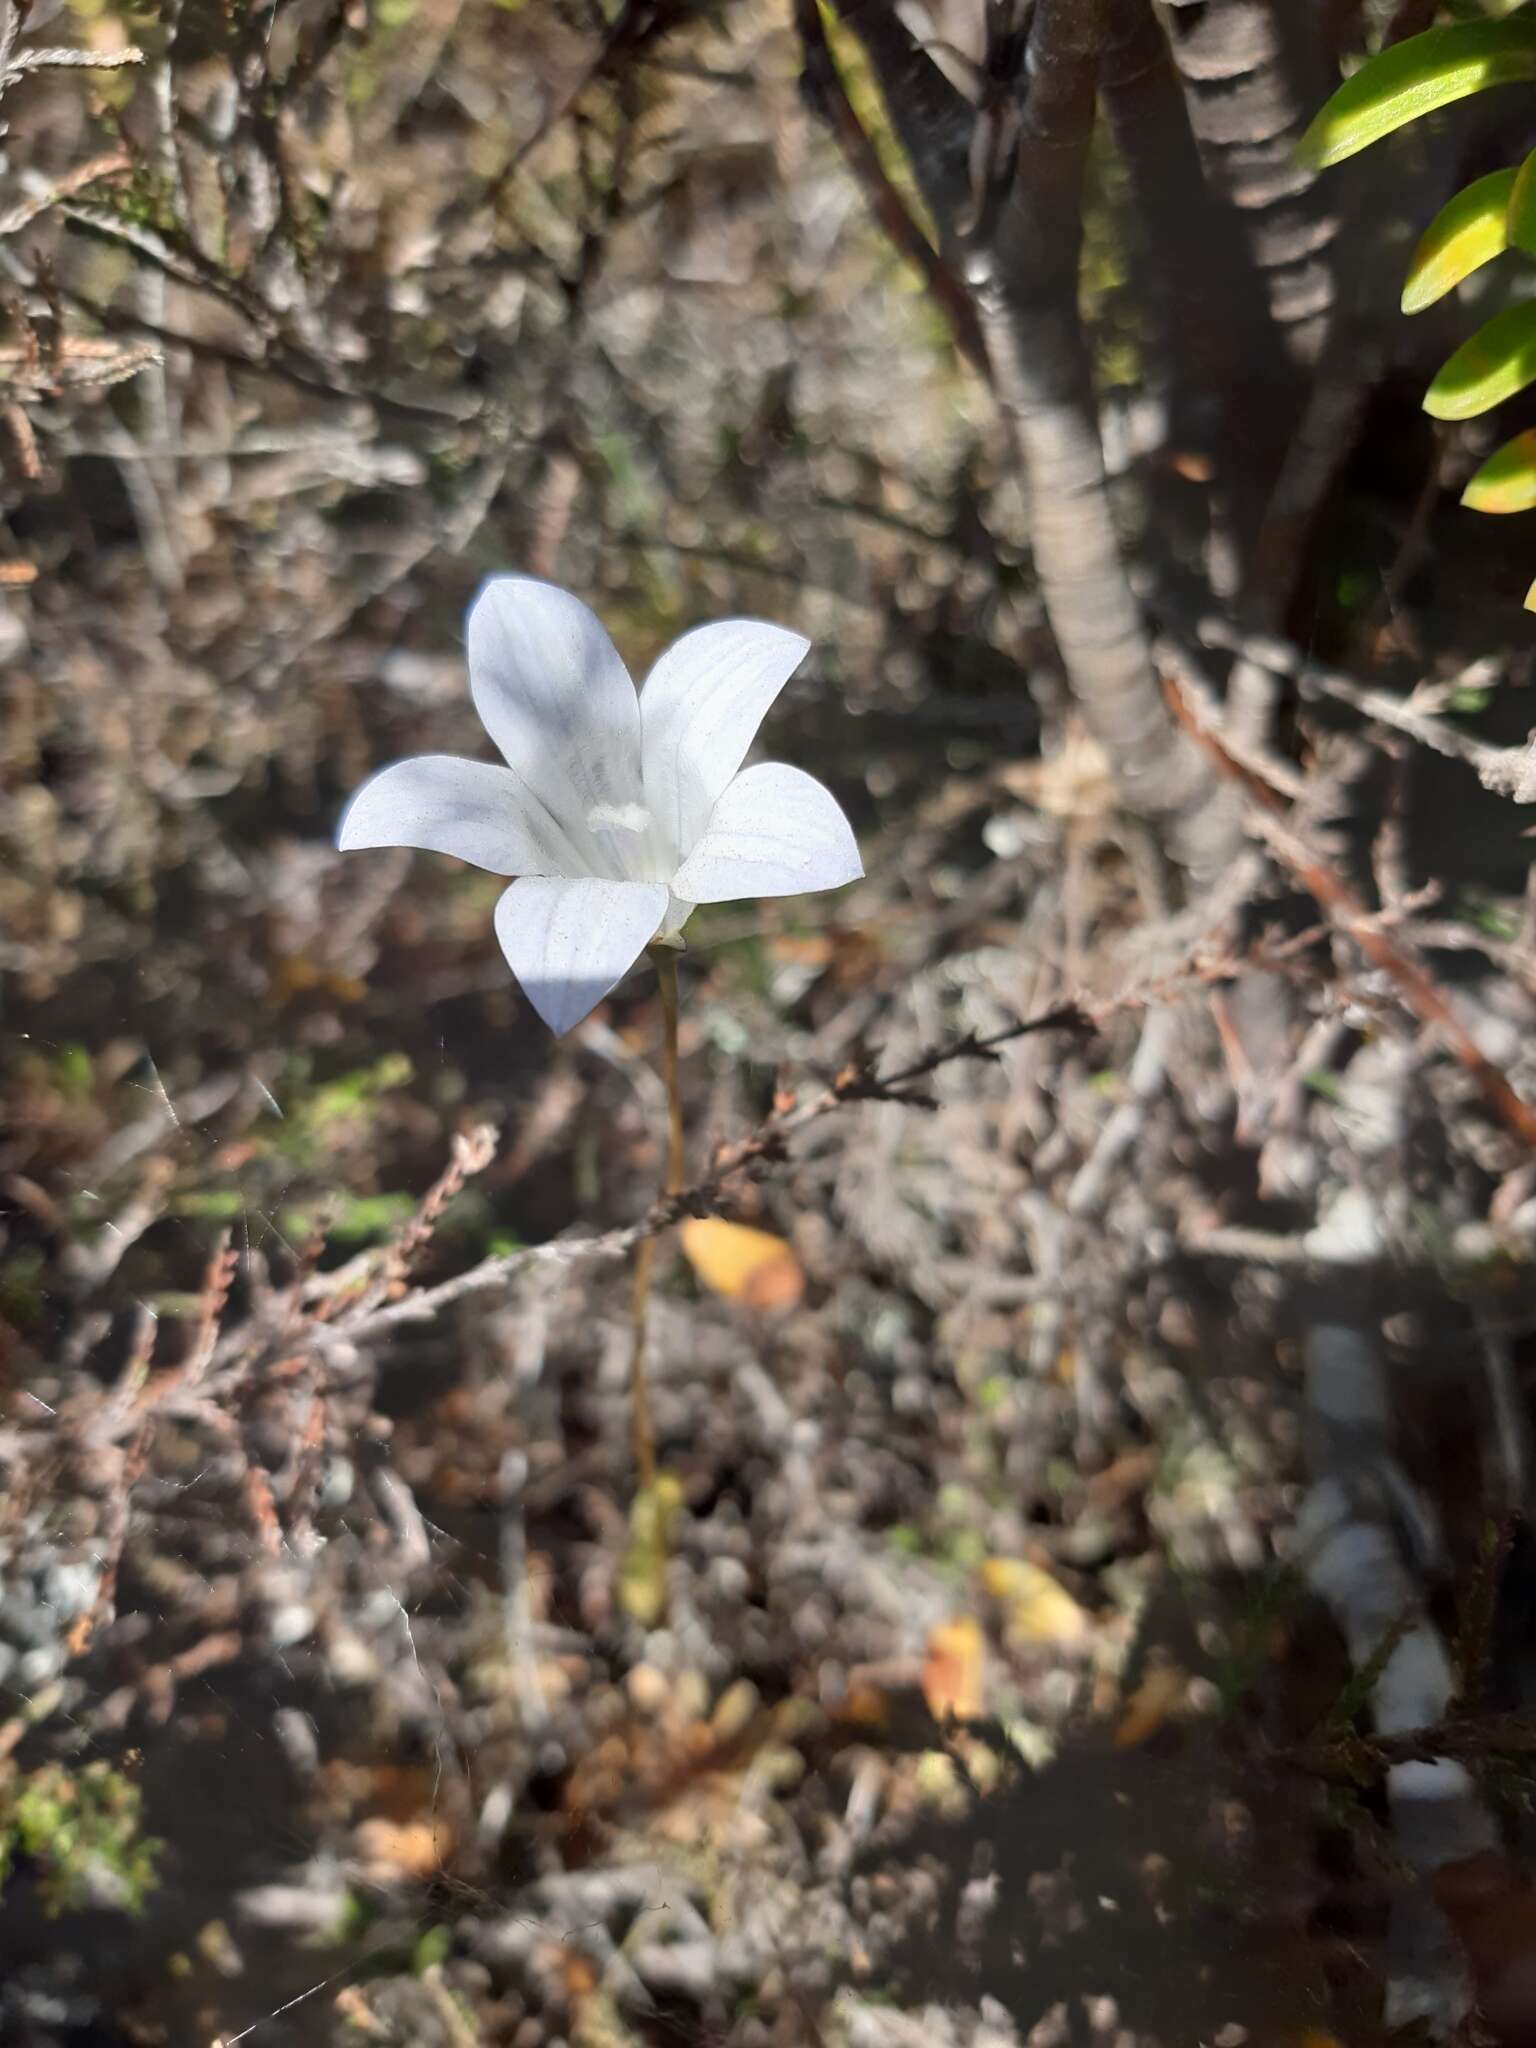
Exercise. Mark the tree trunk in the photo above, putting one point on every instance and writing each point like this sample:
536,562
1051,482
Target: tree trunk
1217,352
1022,267
1254,73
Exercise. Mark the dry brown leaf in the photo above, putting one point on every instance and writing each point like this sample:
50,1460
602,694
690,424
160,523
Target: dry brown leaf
955,1670
742,1264
865,1706
1037,1608
296,974
1074,782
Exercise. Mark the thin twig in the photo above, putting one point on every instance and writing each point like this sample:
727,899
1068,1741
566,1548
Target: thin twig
857,1082
63,59
1312,678
1352,916
823,85
91,172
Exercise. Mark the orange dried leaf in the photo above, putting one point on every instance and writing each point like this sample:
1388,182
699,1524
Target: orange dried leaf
802,949
864,1706
742,1264
402,1849
1157,1697
955,1670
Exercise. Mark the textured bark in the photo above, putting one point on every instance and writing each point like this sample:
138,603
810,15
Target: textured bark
1232,392
1026,291
1219,349
1254,72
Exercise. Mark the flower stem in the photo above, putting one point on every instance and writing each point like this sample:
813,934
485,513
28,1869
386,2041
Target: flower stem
642,1425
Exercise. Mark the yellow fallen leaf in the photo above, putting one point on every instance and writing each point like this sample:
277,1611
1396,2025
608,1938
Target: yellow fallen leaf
1037,1608
954,1670
642,1583
745,1265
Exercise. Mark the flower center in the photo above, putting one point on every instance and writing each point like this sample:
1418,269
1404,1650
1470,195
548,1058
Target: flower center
630,835
619,818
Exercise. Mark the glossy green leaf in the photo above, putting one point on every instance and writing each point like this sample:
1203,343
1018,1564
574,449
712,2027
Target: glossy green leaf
1520,221
1498,361
1415,77
1467,232
1507,480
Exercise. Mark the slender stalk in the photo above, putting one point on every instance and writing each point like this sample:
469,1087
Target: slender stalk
666,974
642,1424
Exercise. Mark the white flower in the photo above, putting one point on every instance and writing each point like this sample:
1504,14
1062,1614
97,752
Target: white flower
618,812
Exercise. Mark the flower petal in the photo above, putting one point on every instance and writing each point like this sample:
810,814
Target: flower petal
553,694
699,712
472,809
775,832
569,942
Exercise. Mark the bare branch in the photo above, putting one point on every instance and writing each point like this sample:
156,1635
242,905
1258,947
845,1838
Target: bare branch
789,1116
823,85
1345,908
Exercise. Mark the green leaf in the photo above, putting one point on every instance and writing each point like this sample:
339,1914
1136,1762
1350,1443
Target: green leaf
1498,361
74,1072
214,1205
1520,222
432,1948
1507,480
1467,232
1416,77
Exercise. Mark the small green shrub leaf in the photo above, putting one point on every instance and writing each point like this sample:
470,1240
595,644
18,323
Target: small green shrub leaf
1520,222
1467,232
1415,77
1498,361
1507,480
